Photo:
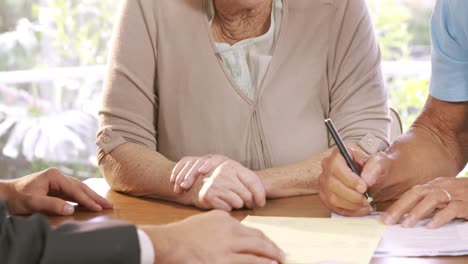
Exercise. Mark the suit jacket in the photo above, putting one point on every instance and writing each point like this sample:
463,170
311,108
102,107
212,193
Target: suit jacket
31,240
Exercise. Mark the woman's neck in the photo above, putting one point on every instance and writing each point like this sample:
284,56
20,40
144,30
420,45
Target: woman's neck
233,23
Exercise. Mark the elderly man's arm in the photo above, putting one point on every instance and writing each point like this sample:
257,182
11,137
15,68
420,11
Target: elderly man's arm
426,157
435,146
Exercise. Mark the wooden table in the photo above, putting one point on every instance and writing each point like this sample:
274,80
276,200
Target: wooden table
142,211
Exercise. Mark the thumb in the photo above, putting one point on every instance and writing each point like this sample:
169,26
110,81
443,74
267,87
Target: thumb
374,169
359,156
51,205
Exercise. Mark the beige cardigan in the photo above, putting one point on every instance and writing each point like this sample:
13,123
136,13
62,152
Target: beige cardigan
166,89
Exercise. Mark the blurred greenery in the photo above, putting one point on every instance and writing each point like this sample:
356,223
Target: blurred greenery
408,98
391,21
399,27
82,30
419,24
12,10
18,40
52,33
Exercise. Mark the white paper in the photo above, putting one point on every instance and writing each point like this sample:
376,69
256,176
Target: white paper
448,240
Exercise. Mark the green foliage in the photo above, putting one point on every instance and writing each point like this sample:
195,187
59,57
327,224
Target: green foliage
12,10
419,24
53,33
67,33
408,98
391,24
18,45
81,30
397,27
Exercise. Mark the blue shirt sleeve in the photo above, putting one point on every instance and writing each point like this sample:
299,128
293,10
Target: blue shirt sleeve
449,28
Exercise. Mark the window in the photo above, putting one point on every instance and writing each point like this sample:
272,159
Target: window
52,54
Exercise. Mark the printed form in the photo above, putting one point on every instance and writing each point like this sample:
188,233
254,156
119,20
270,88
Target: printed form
448,240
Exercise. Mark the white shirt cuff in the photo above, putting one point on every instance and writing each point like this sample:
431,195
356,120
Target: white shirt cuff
146,248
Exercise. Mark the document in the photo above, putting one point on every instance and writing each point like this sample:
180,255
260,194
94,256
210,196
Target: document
448,240
321,240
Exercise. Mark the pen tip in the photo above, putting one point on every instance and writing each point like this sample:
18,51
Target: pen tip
373,205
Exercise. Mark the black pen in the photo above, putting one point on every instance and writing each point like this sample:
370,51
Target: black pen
347,157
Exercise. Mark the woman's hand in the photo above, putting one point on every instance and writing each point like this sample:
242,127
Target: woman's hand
48,191
230,186
341,190
446,196
187,170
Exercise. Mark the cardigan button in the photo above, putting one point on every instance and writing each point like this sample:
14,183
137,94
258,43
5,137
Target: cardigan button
106,139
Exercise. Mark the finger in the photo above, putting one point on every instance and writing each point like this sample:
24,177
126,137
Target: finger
211,163
425,207
243,193
359,157
335,194
104,203
177,168
375,168
363,210
248,259
402,206
456,209
181,176
66,187
217,203
344,192
252,182
232,199
260,246
50,205
192,175
343,173
340,202
206,167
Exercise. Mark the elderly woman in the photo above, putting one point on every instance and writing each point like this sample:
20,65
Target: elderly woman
220,104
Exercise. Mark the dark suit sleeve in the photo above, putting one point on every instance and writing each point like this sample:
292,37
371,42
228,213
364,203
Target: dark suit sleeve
31,240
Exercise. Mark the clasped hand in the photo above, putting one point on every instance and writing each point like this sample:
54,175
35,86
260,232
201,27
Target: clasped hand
220,183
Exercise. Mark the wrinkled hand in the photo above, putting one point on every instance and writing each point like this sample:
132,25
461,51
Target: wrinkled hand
48,191
229,186
341,190
188,169
445,196
213,237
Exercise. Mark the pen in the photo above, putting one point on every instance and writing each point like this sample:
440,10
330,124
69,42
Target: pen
339,142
